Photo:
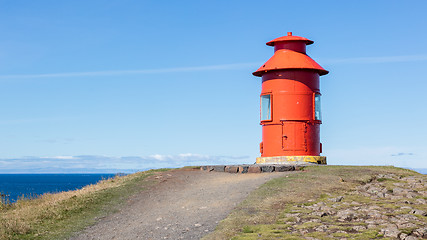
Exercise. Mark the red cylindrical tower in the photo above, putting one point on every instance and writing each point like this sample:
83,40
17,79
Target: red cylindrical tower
290,103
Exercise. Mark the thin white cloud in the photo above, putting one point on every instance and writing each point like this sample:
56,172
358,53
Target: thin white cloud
232,66
401,154
64,157
132,72
158,157
107,164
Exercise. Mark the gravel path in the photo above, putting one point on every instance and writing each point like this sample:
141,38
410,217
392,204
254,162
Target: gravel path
185,204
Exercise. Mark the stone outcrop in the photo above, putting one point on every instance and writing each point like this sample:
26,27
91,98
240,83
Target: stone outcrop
389,206
257,168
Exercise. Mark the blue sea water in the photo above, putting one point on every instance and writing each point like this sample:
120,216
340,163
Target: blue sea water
14,186
420,170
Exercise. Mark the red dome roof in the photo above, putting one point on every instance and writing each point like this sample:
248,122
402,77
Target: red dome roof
287,59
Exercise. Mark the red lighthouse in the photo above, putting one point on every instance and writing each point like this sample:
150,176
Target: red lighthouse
290,103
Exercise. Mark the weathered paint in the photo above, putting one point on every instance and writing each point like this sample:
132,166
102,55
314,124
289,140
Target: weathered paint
285,159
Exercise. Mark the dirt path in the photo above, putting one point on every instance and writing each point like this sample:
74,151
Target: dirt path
185,204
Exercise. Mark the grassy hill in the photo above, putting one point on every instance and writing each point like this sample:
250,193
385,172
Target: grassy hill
57,216
319,202
333,202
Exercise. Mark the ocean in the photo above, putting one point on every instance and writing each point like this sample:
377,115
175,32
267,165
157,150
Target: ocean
420,170
14,186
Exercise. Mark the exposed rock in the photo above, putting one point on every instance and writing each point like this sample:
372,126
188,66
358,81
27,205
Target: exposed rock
389,176
267,168
321,228
390,210
402,225
418,212
346,215
359,228
292,214
399,191
243,169
254,169
417,186
402,236
317,206
282,168
364,194
410,238
391,231
320,214
381,195
231,169
374,189
423,193
421,232
363,187
219,168
411,194
392,197
411,179
375,214
337,199
394,219
407,217
389,196
371,226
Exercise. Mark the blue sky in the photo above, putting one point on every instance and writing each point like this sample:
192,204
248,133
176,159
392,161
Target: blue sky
119,85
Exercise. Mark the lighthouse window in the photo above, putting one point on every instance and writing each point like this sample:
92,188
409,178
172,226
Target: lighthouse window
265,107
317,111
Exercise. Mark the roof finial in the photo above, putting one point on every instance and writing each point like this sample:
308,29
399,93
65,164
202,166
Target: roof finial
289,33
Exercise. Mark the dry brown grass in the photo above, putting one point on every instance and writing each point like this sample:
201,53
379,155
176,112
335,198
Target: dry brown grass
264,205
53,216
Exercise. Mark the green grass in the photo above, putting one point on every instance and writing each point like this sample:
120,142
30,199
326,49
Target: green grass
57,216
265,213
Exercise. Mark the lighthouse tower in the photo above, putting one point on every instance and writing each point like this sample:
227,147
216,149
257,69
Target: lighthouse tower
290,103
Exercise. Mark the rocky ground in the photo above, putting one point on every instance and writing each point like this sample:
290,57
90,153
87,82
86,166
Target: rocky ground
188,204
388,206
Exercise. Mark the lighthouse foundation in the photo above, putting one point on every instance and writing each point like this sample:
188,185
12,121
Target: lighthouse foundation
291,159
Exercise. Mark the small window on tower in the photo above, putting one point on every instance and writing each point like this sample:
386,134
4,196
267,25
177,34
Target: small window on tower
265,107
317,111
